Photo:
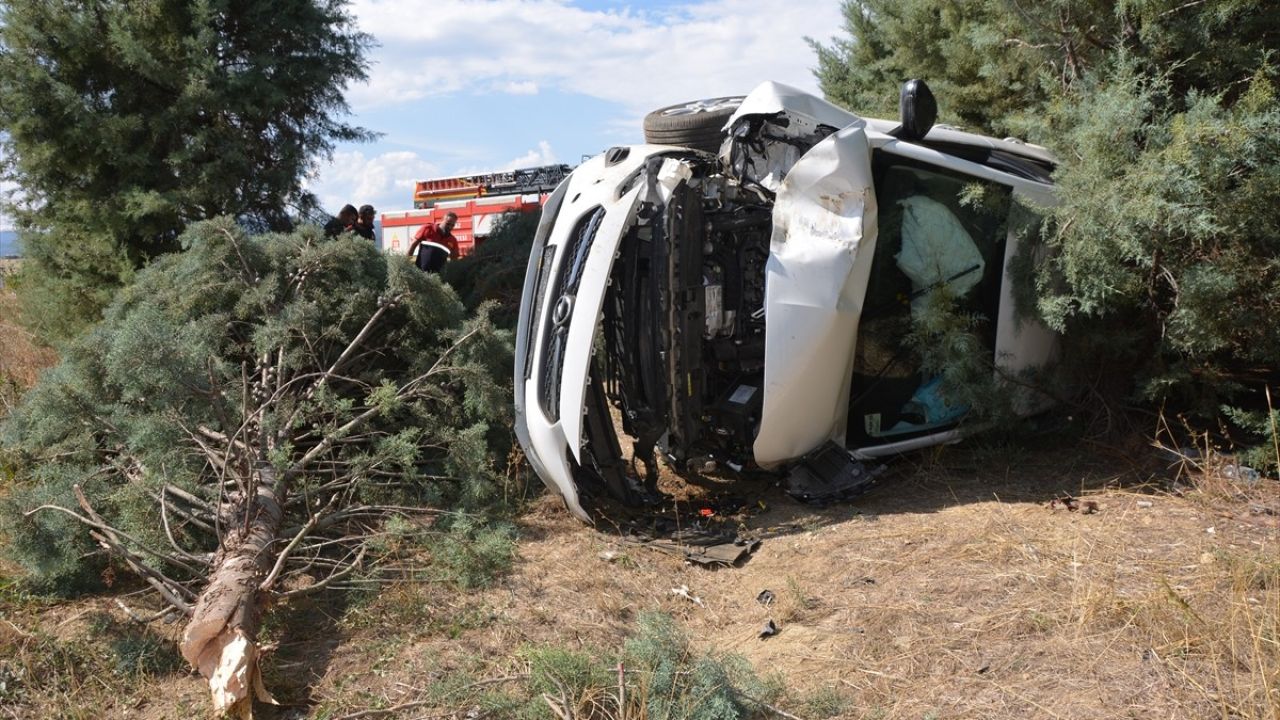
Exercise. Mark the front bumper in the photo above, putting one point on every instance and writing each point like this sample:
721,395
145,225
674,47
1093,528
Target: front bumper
579,237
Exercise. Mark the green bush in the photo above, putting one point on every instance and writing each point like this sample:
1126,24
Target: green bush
474,551
495,271
569,673
678,684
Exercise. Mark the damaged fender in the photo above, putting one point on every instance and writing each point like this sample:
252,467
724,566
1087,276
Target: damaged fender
820,257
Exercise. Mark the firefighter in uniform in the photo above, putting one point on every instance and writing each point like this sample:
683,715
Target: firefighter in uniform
434,244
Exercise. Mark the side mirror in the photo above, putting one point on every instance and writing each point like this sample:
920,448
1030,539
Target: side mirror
917,109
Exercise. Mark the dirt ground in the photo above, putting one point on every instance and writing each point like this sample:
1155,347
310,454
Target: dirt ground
952,590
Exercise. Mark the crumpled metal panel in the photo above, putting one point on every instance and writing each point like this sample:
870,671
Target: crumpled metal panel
823,242
769,98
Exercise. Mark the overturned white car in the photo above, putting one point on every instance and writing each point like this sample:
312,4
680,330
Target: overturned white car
750,307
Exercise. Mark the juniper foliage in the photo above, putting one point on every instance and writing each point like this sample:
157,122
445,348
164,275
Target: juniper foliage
680,683
1164,262
256,343
495,271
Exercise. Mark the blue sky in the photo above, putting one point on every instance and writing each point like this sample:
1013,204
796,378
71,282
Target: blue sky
463,86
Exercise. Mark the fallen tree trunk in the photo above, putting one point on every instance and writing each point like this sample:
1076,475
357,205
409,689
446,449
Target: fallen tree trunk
221,638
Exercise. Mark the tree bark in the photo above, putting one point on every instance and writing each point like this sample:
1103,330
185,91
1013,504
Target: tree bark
221,638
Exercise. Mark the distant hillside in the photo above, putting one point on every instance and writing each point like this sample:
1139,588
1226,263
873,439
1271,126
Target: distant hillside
9,243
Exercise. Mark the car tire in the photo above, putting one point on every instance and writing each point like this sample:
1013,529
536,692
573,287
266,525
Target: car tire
697,124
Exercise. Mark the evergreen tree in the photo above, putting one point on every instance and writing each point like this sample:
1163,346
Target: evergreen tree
125,121
1164,115
495,272
243,418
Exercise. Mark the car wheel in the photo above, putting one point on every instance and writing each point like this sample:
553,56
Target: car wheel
697,124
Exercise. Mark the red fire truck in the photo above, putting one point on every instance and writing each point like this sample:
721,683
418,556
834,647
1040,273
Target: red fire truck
478,200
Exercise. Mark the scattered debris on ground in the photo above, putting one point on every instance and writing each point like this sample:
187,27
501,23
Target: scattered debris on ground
1070,504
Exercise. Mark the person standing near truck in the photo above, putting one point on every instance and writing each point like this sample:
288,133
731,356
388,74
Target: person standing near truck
435,244
364,223
344,222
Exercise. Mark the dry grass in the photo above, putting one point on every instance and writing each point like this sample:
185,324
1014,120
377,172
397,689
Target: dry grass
951,591
21,358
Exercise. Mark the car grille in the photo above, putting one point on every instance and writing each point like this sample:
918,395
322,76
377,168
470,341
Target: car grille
556,335
539,295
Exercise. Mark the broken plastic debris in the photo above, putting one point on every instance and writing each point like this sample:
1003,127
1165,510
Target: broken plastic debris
765,597
1145,503
769,630
1084,507
701,547
829,474
683,591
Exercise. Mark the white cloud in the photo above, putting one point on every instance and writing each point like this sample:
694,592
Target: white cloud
9,193
527,87
631,60
543,155
384,181
639,59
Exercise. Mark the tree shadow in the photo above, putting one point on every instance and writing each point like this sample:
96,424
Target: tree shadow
305,634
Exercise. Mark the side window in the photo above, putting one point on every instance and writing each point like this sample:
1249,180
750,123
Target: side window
939,231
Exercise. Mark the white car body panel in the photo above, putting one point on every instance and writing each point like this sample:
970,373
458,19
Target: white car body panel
903,446
819,260
550,442
771,98
586,315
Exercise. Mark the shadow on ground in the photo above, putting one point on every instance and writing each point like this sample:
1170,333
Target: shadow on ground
754,505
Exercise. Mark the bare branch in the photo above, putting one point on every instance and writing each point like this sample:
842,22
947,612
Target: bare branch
345,355
410,388
329,440
220,437
297,538
329,580
164,519
168,588
140,619
99,525
187,497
